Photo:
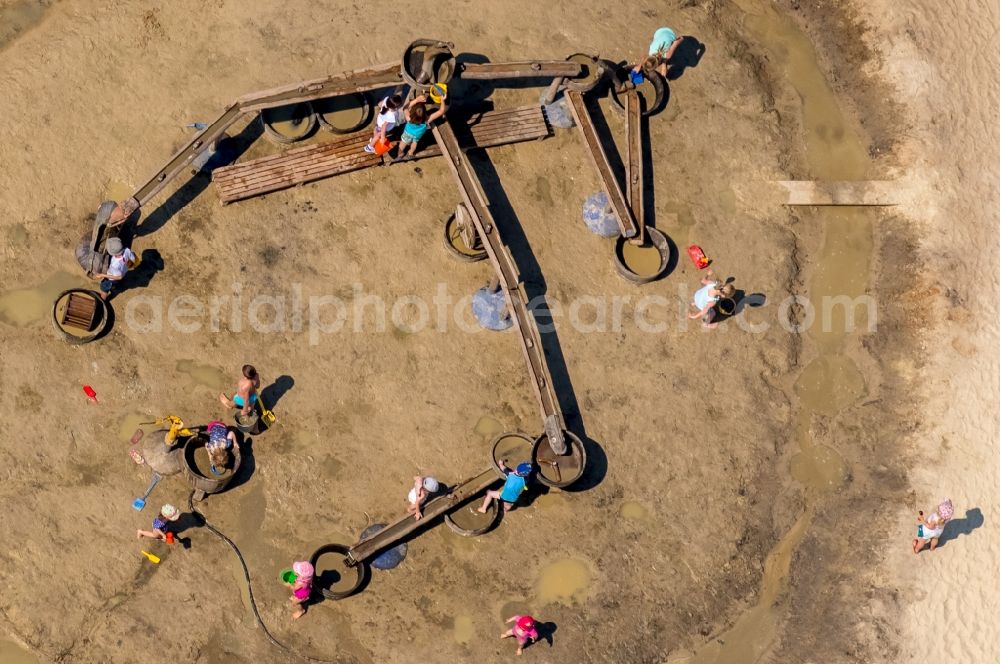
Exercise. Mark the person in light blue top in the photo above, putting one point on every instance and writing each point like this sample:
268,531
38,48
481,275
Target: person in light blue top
706,297
513,487
417,122
661,49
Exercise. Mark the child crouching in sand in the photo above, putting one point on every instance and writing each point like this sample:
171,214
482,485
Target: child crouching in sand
931,528
161,524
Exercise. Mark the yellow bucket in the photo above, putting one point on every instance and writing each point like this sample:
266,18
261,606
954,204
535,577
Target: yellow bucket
438,92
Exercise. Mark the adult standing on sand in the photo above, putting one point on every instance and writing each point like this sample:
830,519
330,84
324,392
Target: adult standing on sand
246,391
931,528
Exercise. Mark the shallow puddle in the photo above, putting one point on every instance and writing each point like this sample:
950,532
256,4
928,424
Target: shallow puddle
463,631
19,234
819,467
487,426
751,636
552,499
829,384
17,18
24,306
135,421
565,581
203,374
513,608
11,653
635,511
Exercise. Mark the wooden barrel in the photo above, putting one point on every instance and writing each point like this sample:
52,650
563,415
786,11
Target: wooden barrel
196,467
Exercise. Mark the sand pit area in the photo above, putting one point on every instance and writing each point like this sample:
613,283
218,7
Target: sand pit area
748,489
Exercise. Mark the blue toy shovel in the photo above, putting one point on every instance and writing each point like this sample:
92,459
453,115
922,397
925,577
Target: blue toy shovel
139,503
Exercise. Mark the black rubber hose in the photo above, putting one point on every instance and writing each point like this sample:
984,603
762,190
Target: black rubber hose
246,577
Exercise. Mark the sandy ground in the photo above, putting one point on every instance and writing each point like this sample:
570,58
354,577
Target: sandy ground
943,61
690,434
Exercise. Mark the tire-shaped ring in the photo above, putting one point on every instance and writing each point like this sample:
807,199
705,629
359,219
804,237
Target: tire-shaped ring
662,245
72,338
464,257
365,104
659,85
448,68
277,137
496,441
589,81
572,441
475,532
362,570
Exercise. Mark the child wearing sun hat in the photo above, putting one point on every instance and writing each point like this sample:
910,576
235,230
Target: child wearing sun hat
161,524
301,586
523,630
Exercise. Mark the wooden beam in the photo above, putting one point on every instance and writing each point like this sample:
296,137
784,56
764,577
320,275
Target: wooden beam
434,508
526,69
634,163
623,213
477,204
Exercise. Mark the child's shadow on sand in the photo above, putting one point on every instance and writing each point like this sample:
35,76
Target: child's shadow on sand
545,632
973,519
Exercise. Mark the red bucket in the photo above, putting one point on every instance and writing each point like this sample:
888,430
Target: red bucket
698,256
382,146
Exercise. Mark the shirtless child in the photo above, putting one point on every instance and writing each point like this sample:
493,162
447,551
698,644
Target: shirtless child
246,391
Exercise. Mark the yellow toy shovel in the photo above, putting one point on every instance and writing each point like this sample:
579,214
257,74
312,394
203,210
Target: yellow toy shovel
153,559
266,415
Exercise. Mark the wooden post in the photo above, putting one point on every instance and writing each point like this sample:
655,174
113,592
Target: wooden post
553,90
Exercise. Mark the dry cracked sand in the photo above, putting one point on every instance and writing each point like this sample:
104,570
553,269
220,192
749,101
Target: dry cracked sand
750,491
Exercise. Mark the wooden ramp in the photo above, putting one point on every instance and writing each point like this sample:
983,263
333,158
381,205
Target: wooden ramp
346,153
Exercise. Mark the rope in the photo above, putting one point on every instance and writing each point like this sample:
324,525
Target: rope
246,577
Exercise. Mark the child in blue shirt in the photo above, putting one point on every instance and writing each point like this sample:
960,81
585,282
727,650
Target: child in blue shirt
661,49
512,489
417,123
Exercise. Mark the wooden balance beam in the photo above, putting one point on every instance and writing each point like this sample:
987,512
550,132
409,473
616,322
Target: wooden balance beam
404,525
346,153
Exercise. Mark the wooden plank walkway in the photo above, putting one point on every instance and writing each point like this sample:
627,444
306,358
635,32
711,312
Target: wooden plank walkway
346,153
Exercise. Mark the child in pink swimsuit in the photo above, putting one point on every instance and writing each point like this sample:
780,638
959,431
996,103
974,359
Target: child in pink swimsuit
523,630
301,587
